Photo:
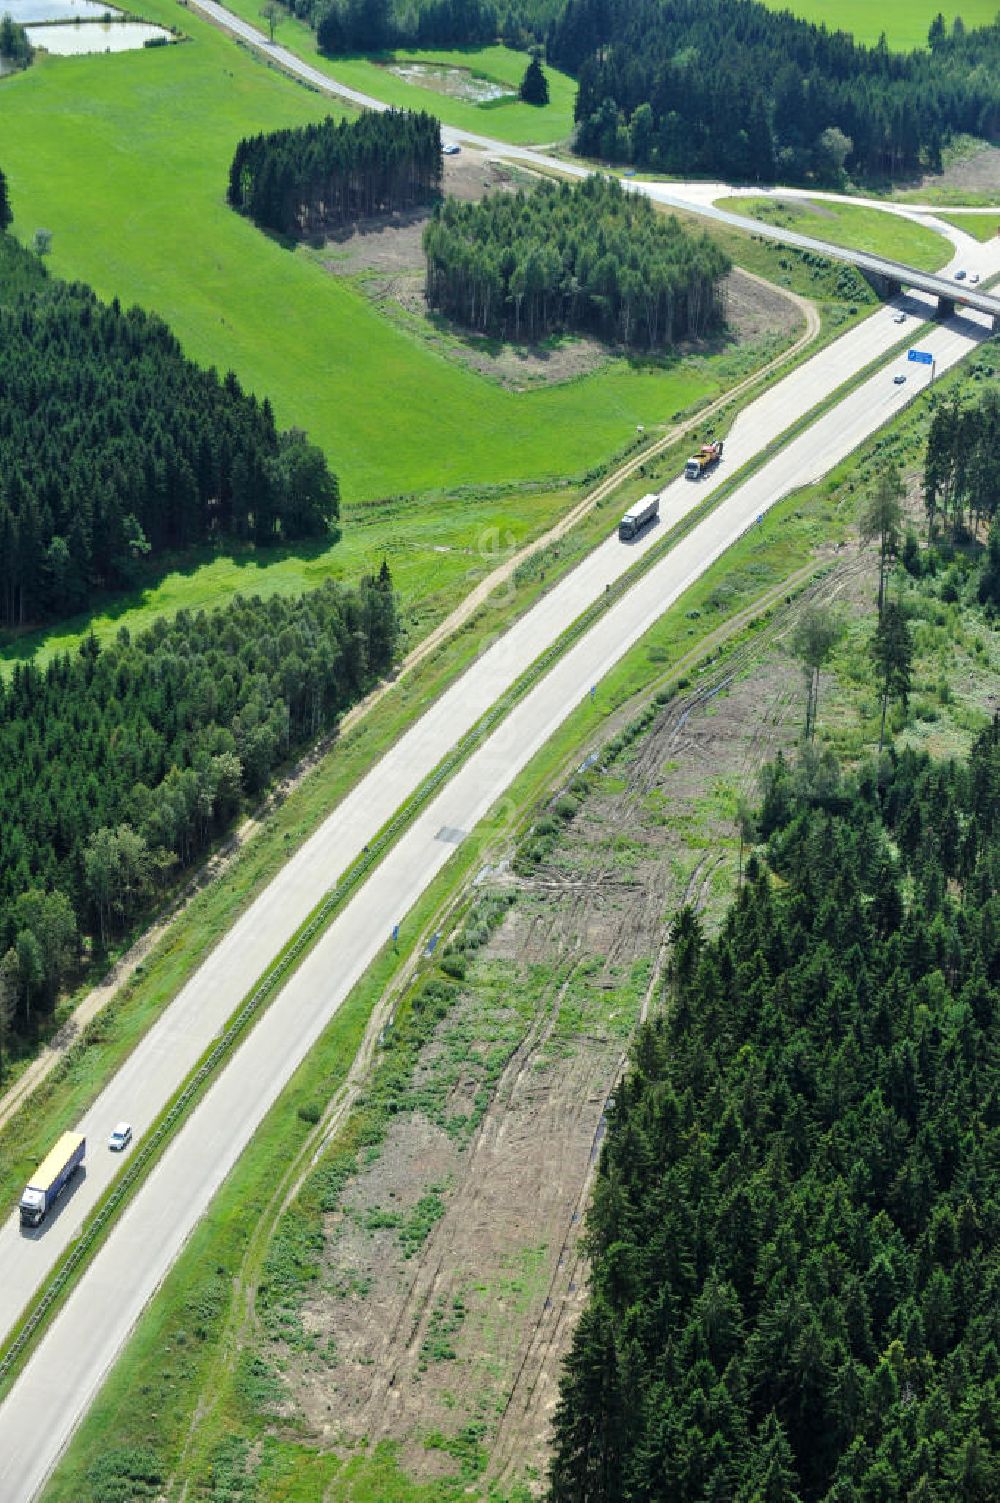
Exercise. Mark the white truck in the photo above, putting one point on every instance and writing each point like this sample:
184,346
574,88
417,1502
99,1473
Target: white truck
639,516
51,1178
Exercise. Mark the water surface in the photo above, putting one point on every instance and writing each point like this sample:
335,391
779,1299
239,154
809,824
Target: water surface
457,83
94,36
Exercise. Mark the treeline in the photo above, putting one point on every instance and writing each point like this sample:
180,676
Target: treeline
795,1229
114,446
962,464
119,764
14,45
734,88
588,257
317,177
378,25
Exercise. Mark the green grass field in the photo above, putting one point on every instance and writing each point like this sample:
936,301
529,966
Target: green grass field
505,119
905,24
981,226
437,551
522,124
851,225
125,159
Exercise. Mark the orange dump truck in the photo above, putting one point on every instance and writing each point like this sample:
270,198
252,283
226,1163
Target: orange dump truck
699,464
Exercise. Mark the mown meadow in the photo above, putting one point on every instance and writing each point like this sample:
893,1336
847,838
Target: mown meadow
853,225
905,25
125,158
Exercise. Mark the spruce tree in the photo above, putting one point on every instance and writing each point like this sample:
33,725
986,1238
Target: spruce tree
534,85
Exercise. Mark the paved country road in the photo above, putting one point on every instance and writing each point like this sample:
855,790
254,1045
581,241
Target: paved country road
40,1414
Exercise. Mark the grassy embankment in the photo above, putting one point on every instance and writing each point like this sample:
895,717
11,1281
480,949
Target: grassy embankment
980,226
905,25
851,225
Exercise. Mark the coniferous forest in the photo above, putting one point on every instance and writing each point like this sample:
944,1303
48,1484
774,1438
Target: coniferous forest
795,1228
118,764
727,87
586,257
376,25
14,45
318,177
731,87
114,446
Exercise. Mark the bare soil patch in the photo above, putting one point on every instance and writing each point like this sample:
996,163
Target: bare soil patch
454,82
806,206
979,172
386,259
756,309
449,1341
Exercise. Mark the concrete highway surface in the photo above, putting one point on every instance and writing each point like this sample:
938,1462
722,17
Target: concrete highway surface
61,1378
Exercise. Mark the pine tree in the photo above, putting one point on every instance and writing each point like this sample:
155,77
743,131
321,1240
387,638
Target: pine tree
882,519
892,649
589,1421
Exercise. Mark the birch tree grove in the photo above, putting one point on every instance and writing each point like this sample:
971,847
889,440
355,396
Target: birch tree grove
120,763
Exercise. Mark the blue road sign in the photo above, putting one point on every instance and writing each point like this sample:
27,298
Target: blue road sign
432,943
922,357
395,933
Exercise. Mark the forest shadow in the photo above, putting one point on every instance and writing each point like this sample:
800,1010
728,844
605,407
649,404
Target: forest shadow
21,645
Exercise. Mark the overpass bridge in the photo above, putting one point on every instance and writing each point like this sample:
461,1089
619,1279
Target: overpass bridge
889,278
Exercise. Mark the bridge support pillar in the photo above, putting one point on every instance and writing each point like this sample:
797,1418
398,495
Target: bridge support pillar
884,287
945,307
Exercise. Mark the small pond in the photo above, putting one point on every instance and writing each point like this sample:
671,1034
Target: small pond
94,36
24,11
457,83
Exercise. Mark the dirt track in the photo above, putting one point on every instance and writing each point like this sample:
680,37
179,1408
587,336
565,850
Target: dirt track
451,1347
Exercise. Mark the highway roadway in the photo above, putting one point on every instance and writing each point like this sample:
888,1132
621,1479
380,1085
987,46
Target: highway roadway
40,1414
